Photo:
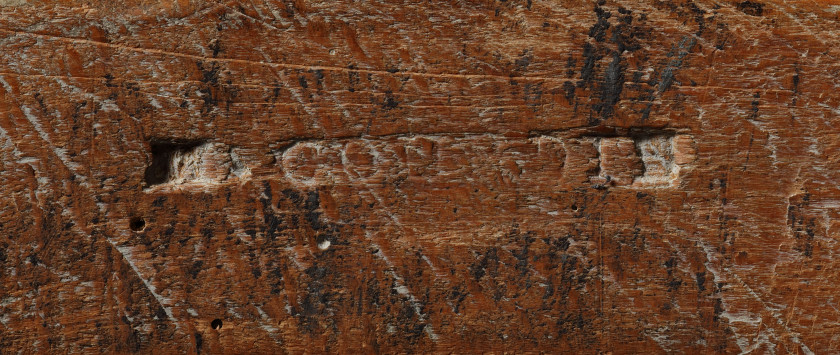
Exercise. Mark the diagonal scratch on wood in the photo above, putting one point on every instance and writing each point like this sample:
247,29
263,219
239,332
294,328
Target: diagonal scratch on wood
260,21
402,289
271,64
58,152
718,274
126,254
776,315
390,219
77,226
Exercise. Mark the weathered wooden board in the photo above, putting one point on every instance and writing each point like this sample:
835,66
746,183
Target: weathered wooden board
402,176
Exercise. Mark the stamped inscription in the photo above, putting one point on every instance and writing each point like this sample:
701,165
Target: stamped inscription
643,160
547,160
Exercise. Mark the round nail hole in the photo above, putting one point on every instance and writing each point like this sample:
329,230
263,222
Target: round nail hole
324,245
137,224
574,208
216,324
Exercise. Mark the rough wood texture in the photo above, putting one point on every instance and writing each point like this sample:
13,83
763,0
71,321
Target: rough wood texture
399,176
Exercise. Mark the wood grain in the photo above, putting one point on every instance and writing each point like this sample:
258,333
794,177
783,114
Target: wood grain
297,176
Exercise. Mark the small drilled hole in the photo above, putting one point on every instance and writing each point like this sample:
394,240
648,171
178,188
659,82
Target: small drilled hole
137,224
574,208
216,324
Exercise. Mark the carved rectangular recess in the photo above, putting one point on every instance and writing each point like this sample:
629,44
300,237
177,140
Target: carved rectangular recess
179,162
657,155
642,159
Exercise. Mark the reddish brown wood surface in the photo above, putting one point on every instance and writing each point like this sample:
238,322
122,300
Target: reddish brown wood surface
401,176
